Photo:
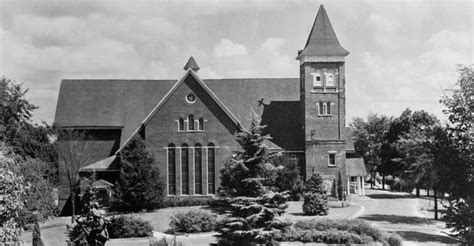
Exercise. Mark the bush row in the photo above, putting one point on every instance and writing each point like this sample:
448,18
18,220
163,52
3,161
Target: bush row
129,226
338,231
187,201
195,220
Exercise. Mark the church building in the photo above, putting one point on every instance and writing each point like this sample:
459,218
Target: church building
189,124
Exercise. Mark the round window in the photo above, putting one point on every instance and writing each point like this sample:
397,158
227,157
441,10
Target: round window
191,98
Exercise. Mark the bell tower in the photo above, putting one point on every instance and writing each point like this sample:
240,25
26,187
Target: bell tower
322,85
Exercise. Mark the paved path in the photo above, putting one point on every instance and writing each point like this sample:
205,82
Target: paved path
397,212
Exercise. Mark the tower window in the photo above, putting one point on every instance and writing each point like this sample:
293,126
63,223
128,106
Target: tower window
332,158
316,79
191,123
320,108
325,108
328,108
330,80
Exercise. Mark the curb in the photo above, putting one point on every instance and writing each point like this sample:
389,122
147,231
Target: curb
358,213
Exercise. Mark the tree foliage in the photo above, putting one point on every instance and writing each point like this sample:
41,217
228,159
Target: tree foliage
369,138
140,185
254,207
459,103
74,151
25,138
315,196
13,188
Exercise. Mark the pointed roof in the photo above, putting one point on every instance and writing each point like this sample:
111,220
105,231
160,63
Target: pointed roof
191,64
322,40
189,72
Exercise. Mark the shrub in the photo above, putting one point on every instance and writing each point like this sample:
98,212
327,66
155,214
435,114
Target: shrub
195,220
165,242
188,201
394,240
315,197
128,226
327,236
315,184
315,204
287,177
339,231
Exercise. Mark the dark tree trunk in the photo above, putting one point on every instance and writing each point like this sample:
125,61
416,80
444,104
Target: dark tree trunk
417,190
435,203
383,181
372,179
428,192
73,202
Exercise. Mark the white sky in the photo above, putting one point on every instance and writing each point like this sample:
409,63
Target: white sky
403,53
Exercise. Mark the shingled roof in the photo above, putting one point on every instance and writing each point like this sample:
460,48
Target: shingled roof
322,40
126,103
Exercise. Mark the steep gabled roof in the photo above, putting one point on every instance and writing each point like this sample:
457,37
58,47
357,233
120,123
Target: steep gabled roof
189,72
322,40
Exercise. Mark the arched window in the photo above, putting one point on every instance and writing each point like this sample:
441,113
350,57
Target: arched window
328,108
191,123
181,124
325,108
198,169
320,108
201,124
185,169
211,169
171,169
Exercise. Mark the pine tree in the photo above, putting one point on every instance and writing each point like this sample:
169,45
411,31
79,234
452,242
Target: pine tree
254,209
140,185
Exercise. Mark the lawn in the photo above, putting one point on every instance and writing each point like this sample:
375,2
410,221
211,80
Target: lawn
53,232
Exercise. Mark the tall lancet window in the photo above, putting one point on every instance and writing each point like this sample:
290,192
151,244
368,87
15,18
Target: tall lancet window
211,169
185,169
171,169
198,169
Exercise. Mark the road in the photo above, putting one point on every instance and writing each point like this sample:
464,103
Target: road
397,212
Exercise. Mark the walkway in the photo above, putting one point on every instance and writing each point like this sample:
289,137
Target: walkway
397,212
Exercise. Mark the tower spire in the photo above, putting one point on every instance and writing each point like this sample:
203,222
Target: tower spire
322,40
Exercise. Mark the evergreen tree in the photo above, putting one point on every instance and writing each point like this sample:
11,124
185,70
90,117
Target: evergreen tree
254,208
315,196
340,194
140,185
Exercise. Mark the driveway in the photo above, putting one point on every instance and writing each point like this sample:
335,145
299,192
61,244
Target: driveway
397,212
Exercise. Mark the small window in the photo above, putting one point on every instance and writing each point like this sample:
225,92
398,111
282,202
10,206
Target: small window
328,108
181,124
316,79
325,108
330,79
320,108
332,159
201,124
191,98
191,123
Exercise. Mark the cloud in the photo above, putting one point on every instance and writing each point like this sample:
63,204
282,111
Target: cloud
227,47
